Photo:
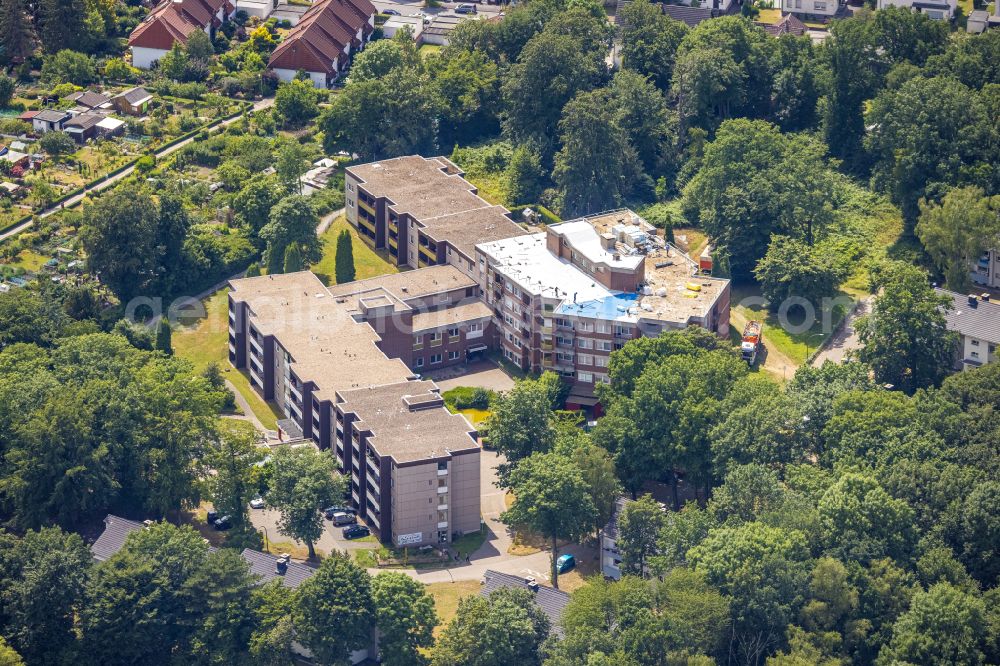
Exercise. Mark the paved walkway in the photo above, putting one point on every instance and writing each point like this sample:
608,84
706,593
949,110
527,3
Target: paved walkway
104,184
846,339
485,374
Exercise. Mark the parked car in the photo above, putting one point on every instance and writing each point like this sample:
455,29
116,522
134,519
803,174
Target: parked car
343,518
211,516
391,12
257,503
330,510
223,523
356,532
565,563
465,8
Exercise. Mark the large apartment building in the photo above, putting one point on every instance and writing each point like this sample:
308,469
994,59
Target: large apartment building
567,297
320,357
422,211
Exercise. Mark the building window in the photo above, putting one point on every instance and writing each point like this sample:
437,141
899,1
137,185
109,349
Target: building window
435,358
974,343
585,343
585,359
475,326
419,363
453,332
819,6
586,377
443,466
603,345
601,361
603,327
453,356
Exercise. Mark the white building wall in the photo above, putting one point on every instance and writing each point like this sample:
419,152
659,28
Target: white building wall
978,351
318,78
944,14
986,270
811,7
143,57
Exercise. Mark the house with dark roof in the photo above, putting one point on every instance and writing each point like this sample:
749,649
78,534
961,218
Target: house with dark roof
112,538
173,21
976,319
132,102
88,99
83,127
322,42
49,120
550,600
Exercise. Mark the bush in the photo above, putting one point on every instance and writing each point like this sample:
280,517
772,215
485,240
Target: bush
57,143
468,397
14,126
145,164
67,65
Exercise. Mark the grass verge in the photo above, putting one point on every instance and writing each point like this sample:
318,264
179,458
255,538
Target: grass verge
206,341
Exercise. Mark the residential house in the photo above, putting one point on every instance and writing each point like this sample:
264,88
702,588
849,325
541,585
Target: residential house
16,158
262,9
976,319
821,9
943,10
88,99
552,601
173,21
322,42
986,270
132,102
83,127
49,120
981,20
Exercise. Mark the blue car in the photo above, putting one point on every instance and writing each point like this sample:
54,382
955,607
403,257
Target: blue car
565,563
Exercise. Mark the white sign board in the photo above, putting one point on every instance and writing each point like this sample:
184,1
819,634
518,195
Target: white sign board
406,539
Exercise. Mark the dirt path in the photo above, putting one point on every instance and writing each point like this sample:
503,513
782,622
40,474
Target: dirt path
769,358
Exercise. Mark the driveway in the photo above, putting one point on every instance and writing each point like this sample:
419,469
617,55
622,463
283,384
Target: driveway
485,374
846,339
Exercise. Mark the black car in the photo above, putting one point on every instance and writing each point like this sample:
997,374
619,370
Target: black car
330,510
356,532
223,523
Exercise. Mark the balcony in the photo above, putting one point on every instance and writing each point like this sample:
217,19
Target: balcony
232,331
255,346
372,467
392,243
232,349
431,255
357,499
454,338
372,519
442,507
442,472
437,343
546,346
255,378
418,346
442,490
443,525
296,393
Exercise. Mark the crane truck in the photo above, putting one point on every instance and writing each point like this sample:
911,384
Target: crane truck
750,344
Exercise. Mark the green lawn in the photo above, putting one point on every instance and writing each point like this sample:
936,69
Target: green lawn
446,597
207,341
796,346
30,260
769,16
428,49
475,416
367,262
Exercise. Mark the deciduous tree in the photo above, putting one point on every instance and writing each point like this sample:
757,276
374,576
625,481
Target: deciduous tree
957,231
551,499
639,525
405,618
303,481
334,612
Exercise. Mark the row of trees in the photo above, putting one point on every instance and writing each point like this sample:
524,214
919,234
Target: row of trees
166,596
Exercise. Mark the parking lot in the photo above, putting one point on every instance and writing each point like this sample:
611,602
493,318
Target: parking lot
266,521
416,7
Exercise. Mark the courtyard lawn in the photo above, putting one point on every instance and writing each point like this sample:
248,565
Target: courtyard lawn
367,262
769,16
428,49
206,341
30,261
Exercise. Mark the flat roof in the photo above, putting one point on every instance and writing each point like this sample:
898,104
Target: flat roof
471,311
408,421
418,283
328,347
527,262
465,229
583,237
423,187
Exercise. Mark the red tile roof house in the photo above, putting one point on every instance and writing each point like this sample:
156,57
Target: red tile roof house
173,21
322,42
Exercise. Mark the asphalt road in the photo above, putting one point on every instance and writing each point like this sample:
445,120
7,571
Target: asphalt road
72,201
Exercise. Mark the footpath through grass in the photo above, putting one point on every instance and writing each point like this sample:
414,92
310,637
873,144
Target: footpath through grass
367,262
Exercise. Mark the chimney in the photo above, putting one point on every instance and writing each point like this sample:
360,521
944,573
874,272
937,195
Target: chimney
281,564
985,297
532,584
147,523
973,300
